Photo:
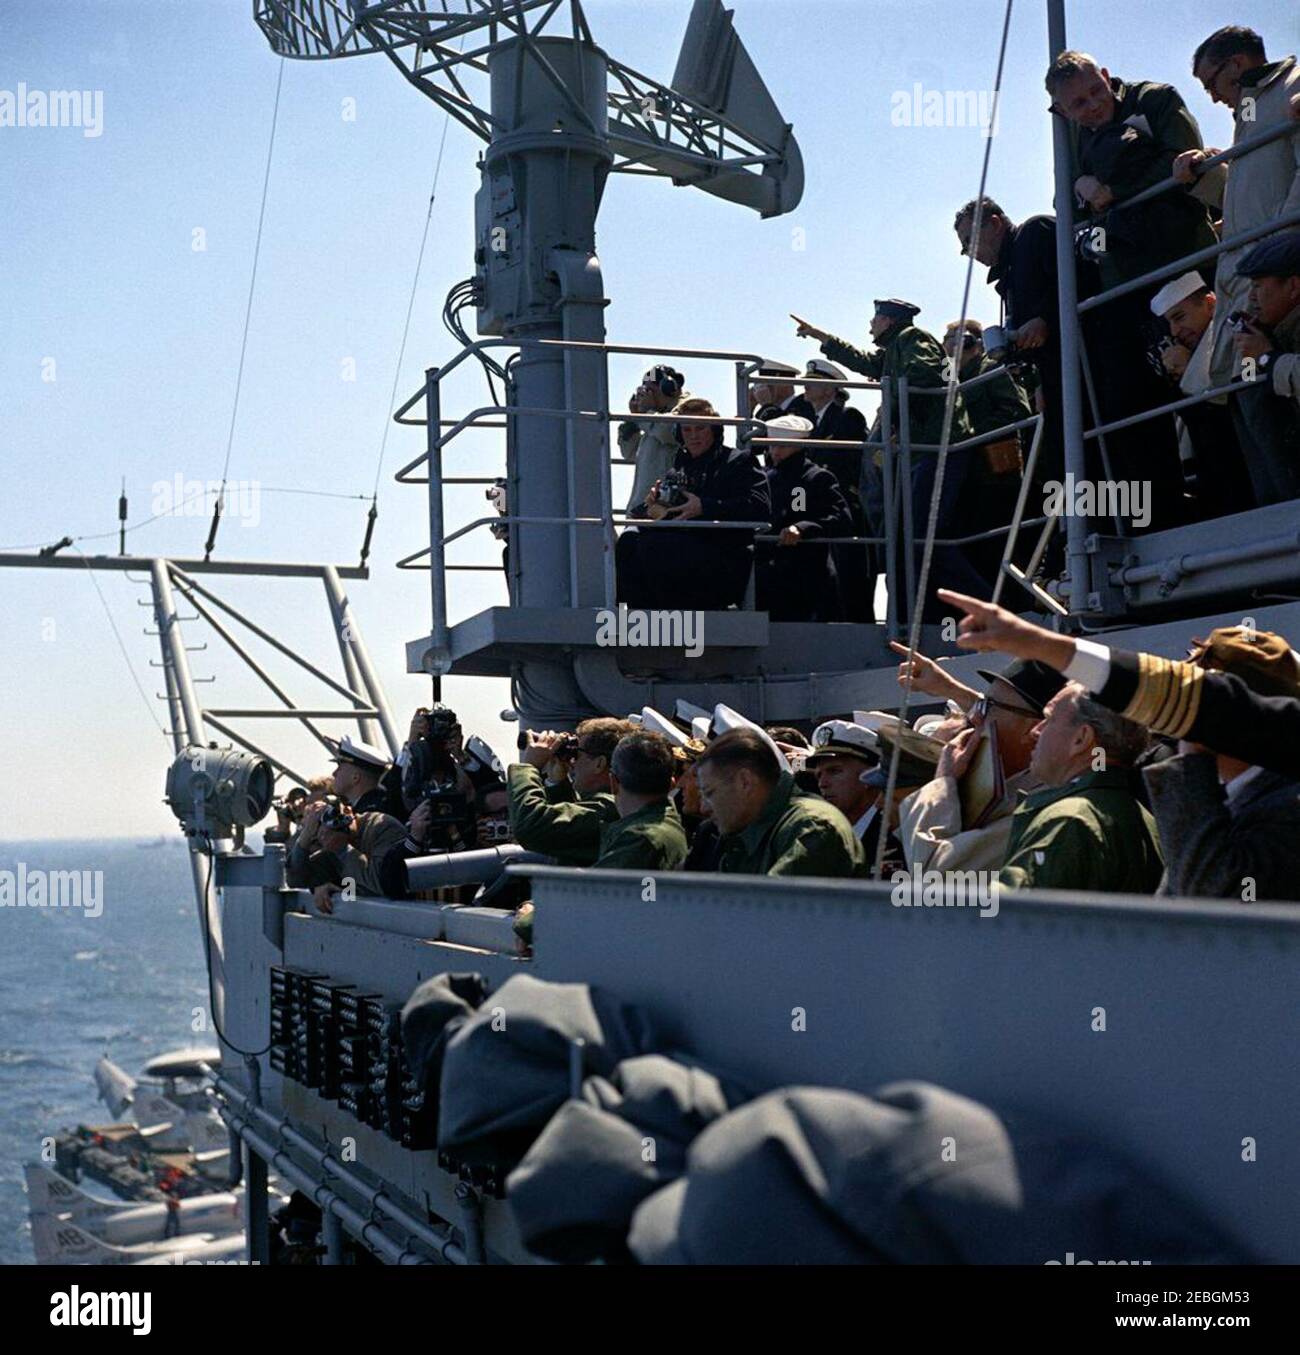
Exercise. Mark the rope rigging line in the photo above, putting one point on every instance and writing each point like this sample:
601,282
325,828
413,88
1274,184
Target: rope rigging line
410,304
949,408
130,667
248,313
172,512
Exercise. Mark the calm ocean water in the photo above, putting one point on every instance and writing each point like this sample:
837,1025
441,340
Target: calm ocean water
73,987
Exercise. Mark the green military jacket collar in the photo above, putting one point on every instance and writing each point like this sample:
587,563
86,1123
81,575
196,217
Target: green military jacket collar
795,834
1093,834
1113,778
751,839
652,838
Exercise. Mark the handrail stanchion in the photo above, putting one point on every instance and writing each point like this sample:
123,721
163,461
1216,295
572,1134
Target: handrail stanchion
743,402
610,536
1068,309
1090,387
887,470
905,493
437,552
1022,498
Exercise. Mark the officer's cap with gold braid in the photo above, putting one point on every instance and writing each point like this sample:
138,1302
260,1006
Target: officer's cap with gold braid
1262,660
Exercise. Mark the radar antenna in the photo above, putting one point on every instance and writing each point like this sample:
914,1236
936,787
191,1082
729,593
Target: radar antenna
559,116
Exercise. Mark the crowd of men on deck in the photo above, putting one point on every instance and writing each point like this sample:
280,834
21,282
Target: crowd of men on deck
1074,766
1222,331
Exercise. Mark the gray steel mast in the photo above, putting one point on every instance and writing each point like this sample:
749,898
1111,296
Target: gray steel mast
561,115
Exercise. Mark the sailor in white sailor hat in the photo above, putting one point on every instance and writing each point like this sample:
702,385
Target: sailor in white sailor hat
1187,305
793,578
725,719
1207,434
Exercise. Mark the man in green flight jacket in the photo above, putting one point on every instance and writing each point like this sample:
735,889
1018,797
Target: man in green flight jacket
1086,829
768,826
904,350
648,834
562,815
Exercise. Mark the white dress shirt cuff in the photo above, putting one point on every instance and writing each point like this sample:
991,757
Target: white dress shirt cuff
1090,665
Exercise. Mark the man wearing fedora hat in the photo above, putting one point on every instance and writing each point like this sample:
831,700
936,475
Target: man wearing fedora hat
1172,698
932,828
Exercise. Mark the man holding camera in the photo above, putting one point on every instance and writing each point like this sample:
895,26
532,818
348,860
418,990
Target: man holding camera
701,569
651,444
1021,260
1267,347
349,851
461,780
1187,306
561,795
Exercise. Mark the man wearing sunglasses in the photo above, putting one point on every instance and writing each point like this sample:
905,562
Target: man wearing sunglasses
931,827
1233,69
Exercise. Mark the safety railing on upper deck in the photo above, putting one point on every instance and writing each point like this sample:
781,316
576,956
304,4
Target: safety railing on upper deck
1074,355
896,539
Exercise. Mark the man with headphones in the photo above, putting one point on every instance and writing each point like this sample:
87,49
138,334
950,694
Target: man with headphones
653,444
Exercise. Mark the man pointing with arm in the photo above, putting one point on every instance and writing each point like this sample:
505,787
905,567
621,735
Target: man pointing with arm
1172,698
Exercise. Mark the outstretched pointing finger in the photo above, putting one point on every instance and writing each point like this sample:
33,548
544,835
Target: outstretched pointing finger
983,611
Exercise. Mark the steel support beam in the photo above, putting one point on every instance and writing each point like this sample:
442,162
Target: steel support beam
1076,528
350,641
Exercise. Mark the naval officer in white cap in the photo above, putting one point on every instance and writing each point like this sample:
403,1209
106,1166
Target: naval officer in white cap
842,752
357,771
1206,433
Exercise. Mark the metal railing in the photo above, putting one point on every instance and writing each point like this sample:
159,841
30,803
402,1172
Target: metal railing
894,446
895,452
1073,349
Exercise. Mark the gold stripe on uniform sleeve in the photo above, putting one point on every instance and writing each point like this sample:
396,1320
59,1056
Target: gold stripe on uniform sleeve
1168,695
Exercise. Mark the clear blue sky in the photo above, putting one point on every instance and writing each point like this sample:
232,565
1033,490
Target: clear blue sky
99,274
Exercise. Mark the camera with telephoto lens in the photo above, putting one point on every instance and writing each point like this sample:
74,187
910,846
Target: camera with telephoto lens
495,494
1156,352
290,805
673,489
442,722
452,826
430,762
